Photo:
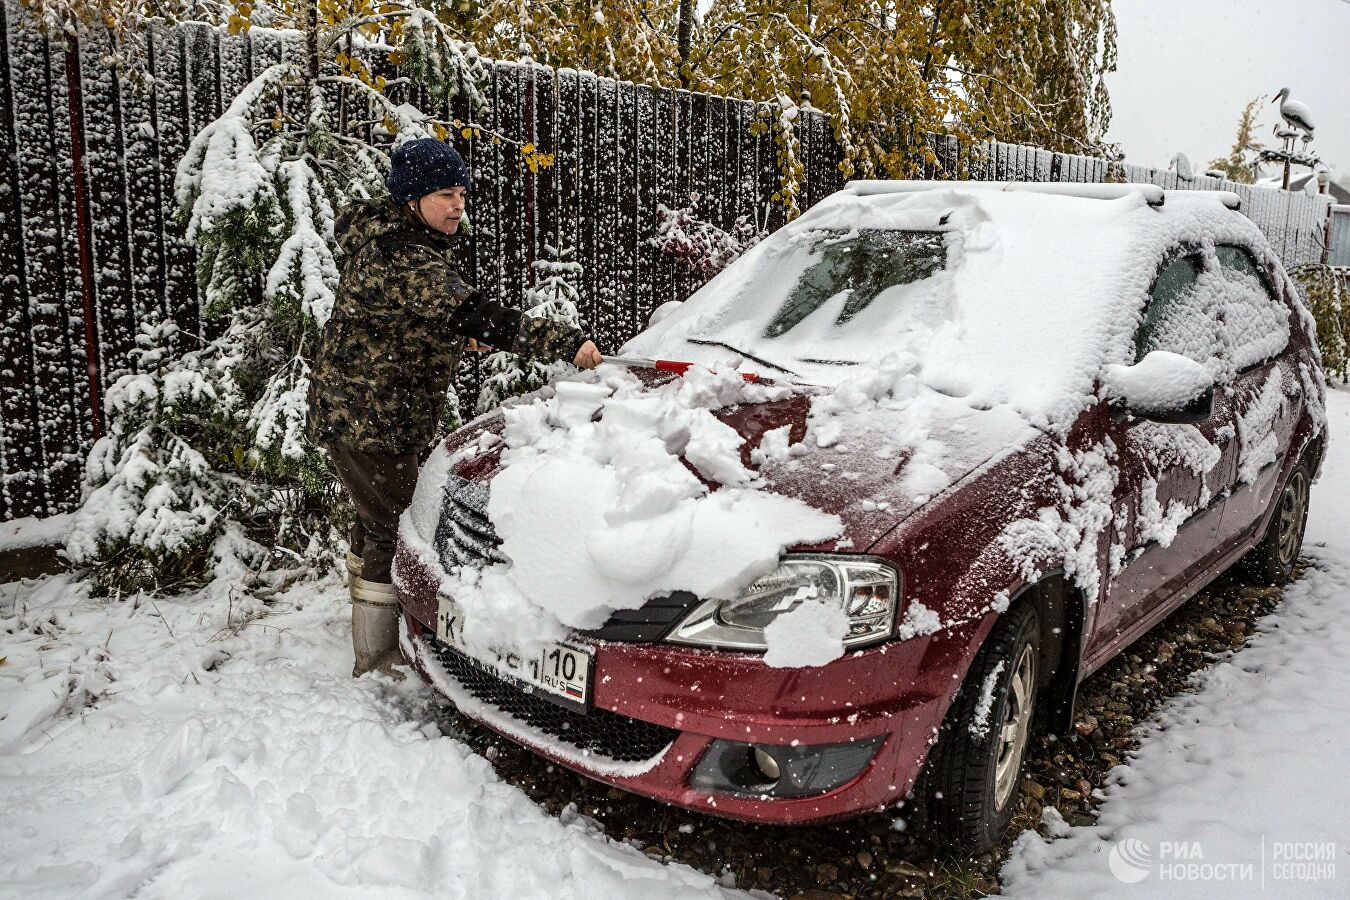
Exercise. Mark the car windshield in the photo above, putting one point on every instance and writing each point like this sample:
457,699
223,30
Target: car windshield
997,297
861,265
830,295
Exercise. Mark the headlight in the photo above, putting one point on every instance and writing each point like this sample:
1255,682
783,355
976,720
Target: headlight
867,590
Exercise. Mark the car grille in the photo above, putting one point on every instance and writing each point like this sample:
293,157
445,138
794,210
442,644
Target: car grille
597,731
650,622
464,535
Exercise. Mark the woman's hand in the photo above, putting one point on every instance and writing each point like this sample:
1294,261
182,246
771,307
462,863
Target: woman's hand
588,356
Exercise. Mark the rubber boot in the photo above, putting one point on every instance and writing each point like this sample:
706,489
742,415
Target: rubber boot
375,629
354,564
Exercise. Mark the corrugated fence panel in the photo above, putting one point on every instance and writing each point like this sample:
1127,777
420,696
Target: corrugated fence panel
23,489
625,302
583,216
105,130
512,245
541,203
608,327
566,161
485,202
43,144
651,267
145,206
619,151
170,94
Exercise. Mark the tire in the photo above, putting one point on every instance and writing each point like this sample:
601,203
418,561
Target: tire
1271,562
971,785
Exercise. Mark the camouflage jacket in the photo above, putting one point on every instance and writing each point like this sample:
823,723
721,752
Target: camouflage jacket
402,316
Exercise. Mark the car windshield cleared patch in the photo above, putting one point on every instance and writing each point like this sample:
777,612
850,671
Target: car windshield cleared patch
864,263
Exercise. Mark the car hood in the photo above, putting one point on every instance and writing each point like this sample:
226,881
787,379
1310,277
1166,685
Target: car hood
880,468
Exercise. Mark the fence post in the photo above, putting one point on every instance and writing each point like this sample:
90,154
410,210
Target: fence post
75,104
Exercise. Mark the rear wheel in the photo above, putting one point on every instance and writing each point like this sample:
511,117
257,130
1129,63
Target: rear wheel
1272,560
977,764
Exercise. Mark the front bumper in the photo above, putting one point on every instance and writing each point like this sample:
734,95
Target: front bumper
658,708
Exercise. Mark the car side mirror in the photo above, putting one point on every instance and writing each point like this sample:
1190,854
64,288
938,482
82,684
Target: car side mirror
663,310
1162,387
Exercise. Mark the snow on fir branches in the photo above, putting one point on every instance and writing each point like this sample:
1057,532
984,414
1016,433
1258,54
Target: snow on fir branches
206,442
554,295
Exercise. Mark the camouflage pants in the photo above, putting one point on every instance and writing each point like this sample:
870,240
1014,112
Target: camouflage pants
381,487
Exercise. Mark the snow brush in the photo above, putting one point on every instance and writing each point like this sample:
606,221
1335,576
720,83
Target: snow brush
668,365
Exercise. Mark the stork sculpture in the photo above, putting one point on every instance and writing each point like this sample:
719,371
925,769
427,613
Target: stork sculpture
1296,118
1294,112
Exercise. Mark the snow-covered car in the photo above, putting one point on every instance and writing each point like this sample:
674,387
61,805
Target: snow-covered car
1000,431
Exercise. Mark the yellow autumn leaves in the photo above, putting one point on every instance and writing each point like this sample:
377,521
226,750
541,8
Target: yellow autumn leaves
531,157
888,74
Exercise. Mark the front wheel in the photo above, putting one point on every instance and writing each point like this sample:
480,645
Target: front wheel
977,763
1272,560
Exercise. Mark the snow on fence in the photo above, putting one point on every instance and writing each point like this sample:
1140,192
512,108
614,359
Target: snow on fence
1295,223
89,247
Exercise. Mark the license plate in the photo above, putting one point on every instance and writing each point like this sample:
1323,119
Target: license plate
561,673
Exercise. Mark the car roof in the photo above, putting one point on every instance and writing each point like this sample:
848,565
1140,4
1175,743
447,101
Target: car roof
1152,193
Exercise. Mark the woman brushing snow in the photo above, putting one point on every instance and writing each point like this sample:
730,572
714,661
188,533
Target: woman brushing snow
401,320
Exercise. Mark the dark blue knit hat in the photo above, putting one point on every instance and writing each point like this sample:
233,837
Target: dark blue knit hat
423,167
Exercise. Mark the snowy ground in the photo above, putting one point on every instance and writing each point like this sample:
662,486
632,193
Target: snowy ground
155,751
1239,789
192,748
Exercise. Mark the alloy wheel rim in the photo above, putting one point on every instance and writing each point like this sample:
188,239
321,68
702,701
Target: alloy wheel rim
1293,504
1016,727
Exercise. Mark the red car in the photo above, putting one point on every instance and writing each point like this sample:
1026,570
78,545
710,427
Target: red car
1045,416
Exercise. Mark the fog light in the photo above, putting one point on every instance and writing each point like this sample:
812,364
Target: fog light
767,764
773,770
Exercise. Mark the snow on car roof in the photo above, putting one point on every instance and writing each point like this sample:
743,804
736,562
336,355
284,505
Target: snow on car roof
1153,193
1038,292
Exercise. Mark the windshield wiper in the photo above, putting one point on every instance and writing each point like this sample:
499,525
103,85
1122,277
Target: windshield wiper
725,346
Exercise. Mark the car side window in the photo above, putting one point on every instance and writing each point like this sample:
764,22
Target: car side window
1179,317
1253,322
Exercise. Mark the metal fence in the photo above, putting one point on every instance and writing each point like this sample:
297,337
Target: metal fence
90,248
1294,222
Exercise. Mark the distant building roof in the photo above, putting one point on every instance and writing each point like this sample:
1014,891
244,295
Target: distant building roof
1307,182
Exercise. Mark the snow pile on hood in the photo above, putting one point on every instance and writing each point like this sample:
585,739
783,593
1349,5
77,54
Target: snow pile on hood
597,510
1037,293
888,411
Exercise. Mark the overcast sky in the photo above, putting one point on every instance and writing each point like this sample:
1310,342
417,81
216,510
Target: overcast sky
1187,67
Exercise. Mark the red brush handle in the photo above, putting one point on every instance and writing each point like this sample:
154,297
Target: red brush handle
668,365
679,368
